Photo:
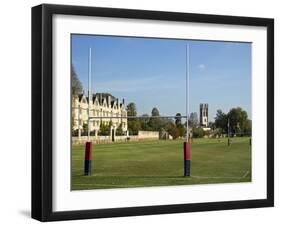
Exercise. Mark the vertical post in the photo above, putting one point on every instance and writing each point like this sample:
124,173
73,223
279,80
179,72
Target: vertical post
187,91
88,159
88,146
89,90
186,145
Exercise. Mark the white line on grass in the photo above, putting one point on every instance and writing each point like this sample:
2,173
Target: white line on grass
246,174
203,177
206,177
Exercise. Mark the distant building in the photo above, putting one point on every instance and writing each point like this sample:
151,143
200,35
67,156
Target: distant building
101,105
204,117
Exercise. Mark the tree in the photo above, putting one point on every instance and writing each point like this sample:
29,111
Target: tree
131,109
105,128
181,130
238,119
134,126
197,133
76,84
75,132
155,112
84,129
119,130
172,130
144,122
221,121
178,119
248,128
179,125
133,123
155,123
212,125
193,120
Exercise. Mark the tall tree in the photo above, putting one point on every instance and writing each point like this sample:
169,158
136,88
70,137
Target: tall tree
212,125
133,123
221,121
76,84
178,119
144,121
155,112
180,127
131,109
134,126
238,119
193,120
155,123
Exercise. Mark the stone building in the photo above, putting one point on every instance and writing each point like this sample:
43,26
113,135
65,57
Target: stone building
101,105
204,117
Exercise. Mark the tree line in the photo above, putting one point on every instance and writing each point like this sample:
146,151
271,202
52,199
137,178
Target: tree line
173,127
236,122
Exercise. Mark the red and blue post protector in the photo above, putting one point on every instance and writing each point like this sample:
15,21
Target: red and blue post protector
88,159
186,146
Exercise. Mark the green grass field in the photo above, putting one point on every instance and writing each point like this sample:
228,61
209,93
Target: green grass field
160,163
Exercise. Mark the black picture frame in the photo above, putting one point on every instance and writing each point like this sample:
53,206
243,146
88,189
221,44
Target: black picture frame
42,197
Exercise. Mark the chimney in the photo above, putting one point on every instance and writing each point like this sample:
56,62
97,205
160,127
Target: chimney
109,101
91,98
100,99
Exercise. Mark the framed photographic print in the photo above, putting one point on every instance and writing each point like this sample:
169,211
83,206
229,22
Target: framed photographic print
146,112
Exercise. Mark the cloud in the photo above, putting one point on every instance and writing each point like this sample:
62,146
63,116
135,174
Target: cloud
201,67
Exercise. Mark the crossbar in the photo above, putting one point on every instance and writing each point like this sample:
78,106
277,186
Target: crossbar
129,117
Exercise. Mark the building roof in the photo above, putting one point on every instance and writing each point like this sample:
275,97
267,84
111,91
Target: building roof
101,97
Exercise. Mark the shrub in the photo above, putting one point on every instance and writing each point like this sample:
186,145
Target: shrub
198,133
92,133
119,130
75,132
105,129
206,133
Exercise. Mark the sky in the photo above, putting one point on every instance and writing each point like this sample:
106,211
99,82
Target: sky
151,72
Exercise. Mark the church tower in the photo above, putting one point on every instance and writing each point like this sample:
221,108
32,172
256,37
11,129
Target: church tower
204,115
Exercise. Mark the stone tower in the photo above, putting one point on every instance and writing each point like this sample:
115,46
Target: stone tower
204,115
